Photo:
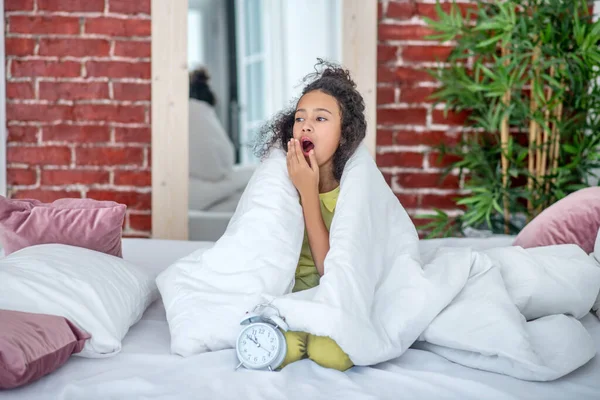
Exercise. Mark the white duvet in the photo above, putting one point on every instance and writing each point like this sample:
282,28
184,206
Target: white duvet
507,310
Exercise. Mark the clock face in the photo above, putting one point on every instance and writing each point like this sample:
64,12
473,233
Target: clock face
258,345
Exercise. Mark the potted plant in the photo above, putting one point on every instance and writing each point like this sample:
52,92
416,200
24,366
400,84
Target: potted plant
527,72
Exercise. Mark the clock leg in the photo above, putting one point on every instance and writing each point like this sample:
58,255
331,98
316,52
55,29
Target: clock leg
239,365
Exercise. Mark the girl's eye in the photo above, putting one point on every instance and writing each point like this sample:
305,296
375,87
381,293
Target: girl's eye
298,119
321,119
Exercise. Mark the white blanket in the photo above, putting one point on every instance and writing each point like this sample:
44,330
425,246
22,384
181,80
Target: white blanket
508,310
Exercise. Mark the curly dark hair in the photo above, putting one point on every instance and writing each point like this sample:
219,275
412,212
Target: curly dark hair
199,88
336,82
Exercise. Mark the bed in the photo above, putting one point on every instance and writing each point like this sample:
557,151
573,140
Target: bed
145,369
212,203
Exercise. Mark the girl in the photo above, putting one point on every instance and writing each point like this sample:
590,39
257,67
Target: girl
319,135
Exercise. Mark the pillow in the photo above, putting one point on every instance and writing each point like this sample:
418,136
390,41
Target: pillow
95,225
101,294
597,247
211,152
34,345
596,256
574,219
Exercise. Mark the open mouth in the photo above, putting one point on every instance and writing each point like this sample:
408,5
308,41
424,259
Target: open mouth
307,145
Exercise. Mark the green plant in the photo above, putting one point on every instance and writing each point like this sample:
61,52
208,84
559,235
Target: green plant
527,72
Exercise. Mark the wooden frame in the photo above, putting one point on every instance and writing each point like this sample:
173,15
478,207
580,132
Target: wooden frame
170,103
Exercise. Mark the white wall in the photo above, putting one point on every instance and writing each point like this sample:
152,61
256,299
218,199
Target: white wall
195,39
312,29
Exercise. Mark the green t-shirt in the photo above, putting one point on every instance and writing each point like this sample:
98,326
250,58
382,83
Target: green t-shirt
307,275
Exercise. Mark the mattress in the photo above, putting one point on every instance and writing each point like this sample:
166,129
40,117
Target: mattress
145,369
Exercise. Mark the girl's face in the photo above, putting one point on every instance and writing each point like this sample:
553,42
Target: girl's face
317,125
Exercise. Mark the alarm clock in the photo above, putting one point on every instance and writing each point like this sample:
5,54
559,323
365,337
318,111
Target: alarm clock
261,343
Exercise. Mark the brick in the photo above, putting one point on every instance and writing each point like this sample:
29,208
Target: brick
19,46
45,195
71,177
388,178
416,95
18,5
444,202
22,134
19,90
46,155
447,160
108,112
408,75
133,200
404,116
74,47
386,95
429,10
118,26
133,48
430,138
385,137
21,176
118,69
139,222
109,156
379,10
38,112
408,200
76,133
426,53
73,90
37,68
133,135
386,53
385,74
132,91
129,7
400,159
403,32
452,118
71,5
405,76
415,180
43,25
133,178
400,9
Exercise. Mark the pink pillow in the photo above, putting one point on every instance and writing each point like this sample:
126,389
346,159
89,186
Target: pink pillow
34,345
574,219
92,224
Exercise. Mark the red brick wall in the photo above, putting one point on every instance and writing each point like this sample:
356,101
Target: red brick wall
408,125
78,102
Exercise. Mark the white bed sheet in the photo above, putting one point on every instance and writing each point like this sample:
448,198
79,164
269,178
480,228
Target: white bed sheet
145,369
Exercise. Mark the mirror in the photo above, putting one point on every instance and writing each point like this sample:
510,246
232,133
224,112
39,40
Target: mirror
246,61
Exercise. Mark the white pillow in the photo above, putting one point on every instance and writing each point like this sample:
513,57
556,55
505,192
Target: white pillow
211,152
596,255
597,247
102,294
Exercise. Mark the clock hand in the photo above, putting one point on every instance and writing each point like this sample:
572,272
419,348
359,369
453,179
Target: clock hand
253,340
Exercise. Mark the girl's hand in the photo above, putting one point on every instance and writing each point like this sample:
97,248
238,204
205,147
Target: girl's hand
305,177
